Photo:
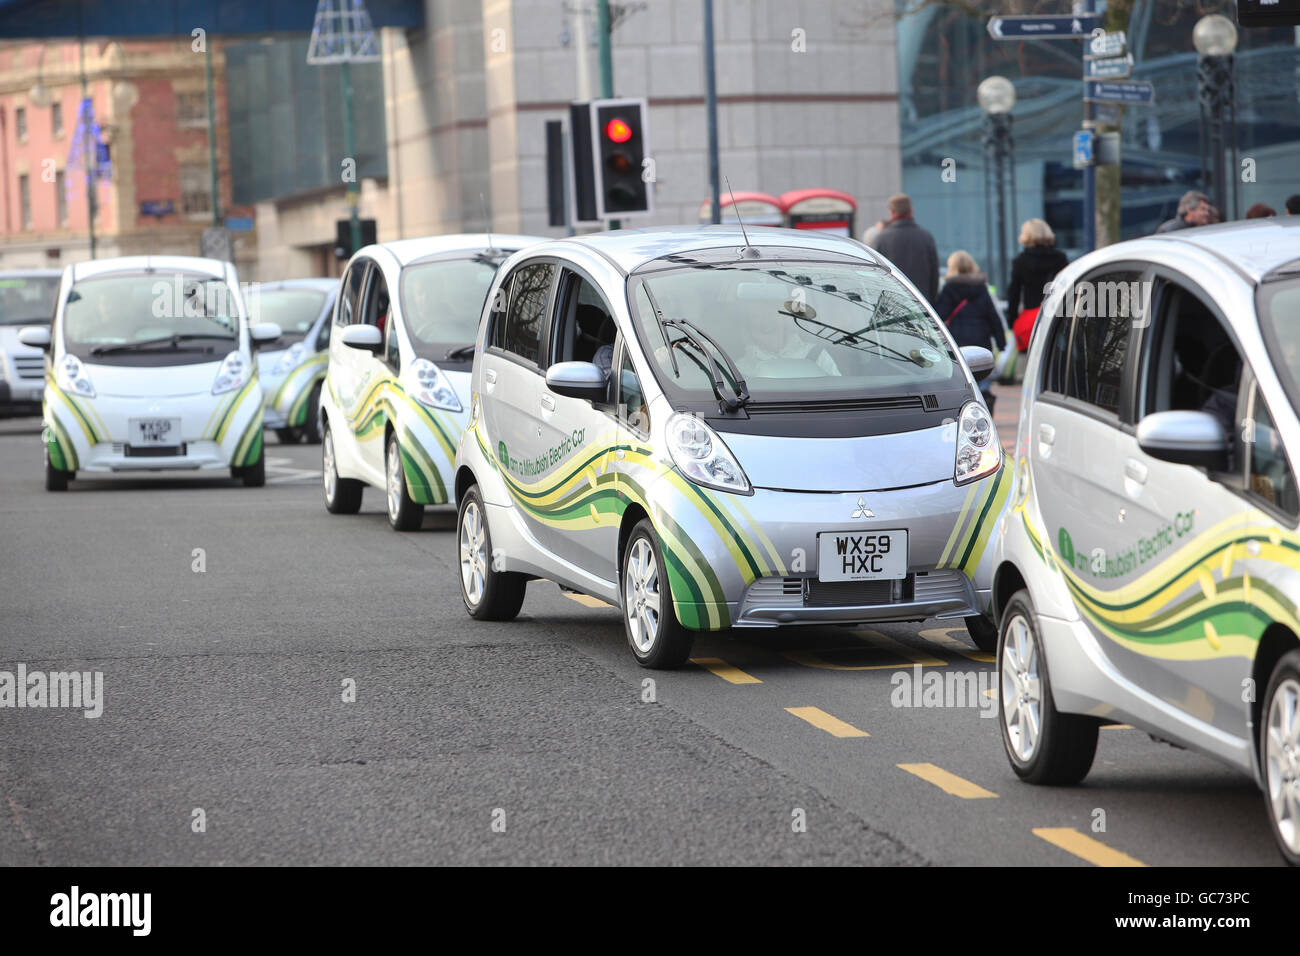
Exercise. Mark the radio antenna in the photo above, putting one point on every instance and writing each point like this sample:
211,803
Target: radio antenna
749,252
487,221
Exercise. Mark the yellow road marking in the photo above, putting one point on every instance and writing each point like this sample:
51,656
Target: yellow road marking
947,782
1116,726
897,647
1085,847
832,725
585,599
732,675
943,637
812,660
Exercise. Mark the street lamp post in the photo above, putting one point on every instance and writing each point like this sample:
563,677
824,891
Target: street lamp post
1215,39
996,96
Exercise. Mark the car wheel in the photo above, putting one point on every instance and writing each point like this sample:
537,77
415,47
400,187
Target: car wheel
314,427
983,632
342,495
254,475
403,513
655,635
288,436
55,480
1044,745
489,594
1279,747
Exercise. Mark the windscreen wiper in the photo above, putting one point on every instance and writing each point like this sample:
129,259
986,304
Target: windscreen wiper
460,352
698,336
171,340
663,327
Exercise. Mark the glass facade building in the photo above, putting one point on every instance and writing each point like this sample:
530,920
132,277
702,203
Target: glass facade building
944,52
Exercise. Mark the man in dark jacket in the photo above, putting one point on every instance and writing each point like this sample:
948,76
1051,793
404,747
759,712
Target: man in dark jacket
910,247
1194,209
969,312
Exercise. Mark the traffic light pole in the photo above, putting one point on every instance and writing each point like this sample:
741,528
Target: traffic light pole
349,148
1089,171
711,111
606,61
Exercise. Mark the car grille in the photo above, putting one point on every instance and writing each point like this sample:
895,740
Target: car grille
947,584
153,451
29,367
849,593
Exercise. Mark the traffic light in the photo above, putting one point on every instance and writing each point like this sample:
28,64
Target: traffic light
343,236
620,147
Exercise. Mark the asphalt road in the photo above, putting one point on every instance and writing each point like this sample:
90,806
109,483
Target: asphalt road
530,742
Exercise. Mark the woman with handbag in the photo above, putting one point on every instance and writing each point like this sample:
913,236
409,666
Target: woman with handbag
968,310
1031,272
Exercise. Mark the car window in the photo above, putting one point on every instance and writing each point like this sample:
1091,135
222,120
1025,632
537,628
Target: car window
1269,474
632,407
294,310
393,351
323,337
584,329
442,301
1056,350
377,307
1105,306
521,331
27,299
1279,319
349,308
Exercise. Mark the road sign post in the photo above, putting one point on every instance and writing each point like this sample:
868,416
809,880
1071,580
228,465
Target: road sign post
1129,91
1044,27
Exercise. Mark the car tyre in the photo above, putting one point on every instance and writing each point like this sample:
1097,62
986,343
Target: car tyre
313,428
489,594
342,495
1279,751
254,475
403,513
1044,745
55,480
654,634
288,436
983,633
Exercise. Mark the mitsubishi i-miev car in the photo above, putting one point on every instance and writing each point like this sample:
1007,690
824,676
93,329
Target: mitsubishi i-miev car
293,372
150,368
397,386
1148,567
26,299
712,431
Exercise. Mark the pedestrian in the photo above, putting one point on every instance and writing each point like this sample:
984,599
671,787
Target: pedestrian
968,310
1260,211
1293,205
1032,271
872,233
910,247
1194,209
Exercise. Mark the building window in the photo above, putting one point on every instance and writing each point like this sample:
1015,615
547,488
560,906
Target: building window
25,200
61,197
192,109
196,190
20,123
56,119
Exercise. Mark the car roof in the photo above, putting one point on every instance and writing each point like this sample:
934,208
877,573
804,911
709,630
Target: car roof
30,273
1254,247
408,250
630,249
83,270
319,284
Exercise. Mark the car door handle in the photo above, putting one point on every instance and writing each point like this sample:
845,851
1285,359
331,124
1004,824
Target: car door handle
548,402
490,376
1046,434
1136,471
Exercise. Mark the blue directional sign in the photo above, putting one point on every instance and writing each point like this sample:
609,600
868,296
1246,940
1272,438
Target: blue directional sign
1108,68
1131,91
1083,148
1046,27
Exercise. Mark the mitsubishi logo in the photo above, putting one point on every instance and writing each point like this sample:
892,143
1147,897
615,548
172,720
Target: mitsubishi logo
862,511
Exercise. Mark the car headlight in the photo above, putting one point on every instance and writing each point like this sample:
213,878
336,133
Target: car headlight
72,377
979,453
431,387
232,374
291,359
703,457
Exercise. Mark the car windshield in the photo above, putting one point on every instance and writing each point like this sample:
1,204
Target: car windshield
167,316
294,310
27,300
823,331
1279,319
442,301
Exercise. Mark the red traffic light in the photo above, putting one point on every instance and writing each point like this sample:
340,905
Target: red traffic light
618,130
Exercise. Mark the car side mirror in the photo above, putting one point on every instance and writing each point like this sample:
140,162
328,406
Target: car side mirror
264,333
36,337
979,359
367,338
1185,438
583,380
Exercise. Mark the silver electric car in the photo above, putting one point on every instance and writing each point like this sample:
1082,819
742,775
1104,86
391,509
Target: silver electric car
1148,565
710,430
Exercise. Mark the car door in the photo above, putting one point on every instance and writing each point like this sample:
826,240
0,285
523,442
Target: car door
345,364
372,371
1183,637
576,435
512,384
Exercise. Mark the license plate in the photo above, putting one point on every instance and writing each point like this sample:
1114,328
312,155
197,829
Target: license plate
155,431
861,555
